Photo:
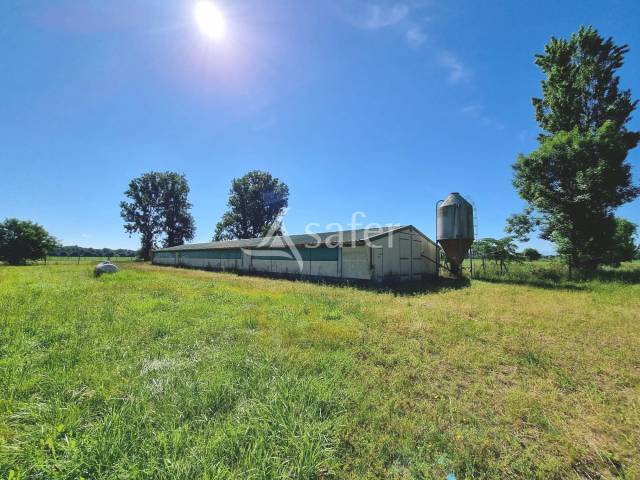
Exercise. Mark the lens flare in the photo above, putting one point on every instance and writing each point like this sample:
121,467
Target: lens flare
210,20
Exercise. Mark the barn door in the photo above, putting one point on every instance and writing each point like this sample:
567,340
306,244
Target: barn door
405,256
378,263
417,262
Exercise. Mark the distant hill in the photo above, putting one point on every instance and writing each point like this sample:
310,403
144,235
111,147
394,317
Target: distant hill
76,251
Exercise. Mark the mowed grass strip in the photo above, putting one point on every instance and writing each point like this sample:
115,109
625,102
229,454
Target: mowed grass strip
168,373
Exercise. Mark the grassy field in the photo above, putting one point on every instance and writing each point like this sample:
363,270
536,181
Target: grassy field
166,373
549,272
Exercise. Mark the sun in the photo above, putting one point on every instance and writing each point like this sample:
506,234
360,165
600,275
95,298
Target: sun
209,19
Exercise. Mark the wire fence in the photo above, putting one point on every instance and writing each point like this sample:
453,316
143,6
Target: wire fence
78,260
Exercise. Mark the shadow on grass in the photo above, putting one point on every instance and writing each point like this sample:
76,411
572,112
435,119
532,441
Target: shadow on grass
432,285
429,285
549,280
618,275
534,282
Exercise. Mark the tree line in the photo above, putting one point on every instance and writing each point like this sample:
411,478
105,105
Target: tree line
77,251
503,251
159,210
23,240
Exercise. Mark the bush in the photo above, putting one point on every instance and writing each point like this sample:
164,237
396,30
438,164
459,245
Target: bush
22,240
532,254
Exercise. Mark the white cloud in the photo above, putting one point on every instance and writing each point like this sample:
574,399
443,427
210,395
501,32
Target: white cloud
457,71
476,112
399,17
380,16
471,110
415,36
265,123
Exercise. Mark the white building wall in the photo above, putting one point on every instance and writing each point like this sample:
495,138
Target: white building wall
386,253
356,262
192,262
324,268
259,265
403,256
429,251
165,261
231,263
214,264
290,267
282,266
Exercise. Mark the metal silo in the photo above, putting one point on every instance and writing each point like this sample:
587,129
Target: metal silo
454,228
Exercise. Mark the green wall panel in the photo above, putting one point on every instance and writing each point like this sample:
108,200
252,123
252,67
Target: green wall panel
229,254
319,254
165,255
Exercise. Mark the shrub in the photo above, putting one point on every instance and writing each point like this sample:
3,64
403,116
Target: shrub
22,240
531,254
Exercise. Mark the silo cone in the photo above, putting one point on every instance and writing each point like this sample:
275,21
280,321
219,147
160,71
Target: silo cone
456,250
454,225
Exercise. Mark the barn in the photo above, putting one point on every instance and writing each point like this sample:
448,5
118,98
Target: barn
386,254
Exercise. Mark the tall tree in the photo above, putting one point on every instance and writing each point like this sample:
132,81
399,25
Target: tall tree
576,179
158,205
179,225
531,254
623,248
256,201
22,240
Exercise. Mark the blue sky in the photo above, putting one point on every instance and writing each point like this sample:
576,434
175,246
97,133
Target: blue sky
380,107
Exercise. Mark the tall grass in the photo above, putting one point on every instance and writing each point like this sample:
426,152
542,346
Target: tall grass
169,373
550,272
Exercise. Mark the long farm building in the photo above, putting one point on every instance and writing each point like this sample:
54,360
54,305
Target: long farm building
387,254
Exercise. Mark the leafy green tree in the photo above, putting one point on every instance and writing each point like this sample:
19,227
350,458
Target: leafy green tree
579,175
22,240
179,225
158,204
623,247
143,214
256,202
481,248
502,251
531,254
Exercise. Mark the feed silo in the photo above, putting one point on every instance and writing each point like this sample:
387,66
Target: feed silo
454,228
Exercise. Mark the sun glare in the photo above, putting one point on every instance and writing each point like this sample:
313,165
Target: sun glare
209,19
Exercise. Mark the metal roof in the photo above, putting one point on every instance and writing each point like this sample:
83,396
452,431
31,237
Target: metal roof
333,238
